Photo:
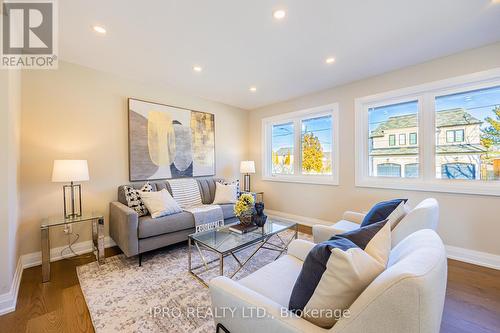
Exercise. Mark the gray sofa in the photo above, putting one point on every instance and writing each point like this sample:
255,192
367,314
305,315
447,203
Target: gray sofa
136,235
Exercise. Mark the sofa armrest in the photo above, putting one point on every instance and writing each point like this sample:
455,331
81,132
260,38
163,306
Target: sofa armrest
123,226
322,233
299,248
353,217
242,310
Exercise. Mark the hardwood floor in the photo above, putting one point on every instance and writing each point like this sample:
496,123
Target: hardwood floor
472,300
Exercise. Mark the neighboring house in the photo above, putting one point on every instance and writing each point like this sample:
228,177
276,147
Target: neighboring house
394,146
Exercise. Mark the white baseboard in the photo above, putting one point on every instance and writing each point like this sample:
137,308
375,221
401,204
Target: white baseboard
452,252
8,300
473,257
35,258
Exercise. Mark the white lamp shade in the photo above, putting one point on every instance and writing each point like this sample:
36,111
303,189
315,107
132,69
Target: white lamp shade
66,171
247,167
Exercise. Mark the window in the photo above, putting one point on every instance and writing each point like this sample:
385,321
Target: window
402,139
454,136
392,140
382,120
470,151
460,151
316,145
413,139
309,134
282,149
389,170
411,170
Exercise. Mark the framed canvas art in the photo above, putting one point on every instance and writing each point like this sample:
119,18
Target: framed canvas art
169,142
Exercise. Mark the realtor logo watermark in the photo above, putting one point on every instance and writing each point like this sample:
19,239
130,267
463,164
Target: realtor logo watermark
29,34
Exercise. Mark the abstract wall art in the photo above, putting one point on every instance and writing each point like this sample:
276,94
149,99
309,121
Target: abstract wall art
169,142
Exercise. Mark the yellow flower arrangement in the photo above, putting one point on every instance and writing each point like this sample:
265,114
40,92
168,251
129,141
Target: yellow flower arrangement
244,205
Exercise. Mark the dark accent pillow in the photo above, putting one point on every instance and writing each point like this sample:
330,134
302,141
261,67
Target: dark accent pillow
381,211
337,271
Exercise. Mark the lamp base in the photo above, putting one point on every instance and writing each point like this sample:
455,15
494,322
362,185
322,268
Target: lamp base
246,183
72,196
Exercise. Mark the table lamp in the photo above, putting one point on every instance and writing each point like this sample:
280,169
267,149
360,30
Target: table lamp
246,168
70,171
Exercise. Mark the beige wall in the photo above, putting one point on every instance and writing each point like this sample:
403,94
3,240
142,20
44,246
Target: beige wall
468,221
78,113
10,110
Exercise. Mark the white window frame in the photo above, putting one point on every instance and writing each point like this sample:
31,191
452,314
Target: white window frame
296,117
425,94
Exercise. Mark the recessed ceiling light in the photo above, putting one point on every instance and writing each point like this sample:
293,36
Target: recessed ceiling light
253,89
197,68
330,60
279,14
99,29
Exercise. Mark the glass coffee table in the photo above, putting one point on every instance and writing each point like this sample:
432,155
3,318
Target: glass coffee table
224,242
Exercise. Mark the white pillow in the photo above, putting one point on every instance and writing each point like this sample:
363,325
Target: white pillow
160,203
225,194
398,214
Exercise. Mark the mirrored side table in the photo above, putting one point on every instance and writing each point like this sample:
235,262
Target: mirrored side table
97,221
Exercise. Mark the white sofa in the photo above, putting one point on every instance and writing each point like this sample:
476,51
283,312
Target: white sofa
424,216
407,297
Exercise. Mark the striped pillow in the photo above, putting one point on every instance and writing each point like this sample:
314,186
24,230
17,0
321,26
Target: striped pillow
186,192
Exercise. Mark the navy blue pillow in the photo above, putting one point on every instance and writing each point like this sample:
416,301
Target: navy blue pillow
381,211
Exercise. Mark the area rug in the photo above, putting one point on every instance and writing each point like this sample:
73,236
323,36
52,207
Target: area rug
160,296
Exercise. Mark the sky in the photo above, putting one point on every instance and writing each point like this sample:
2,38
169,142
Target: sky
321,127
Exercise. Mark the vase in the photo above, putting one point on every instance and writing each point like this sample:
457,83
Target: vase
245,219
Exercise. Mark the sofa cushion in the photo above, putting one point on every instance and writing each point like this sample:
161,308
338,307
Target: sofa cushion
275,280
149,227
227,211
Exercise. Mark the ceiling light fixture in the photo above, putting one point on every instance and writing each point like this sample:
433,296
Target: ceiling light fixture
330,60
279,14
99,29
253,89
197,68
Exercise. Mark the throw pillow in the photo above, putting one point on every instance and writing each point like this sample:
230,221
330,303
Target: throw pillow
231,182
337,271
383,210
225,194
134,200
160,203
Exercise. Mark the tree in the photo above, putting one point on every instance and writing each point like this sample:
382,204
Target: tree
491,134
287,158
276,160
312,153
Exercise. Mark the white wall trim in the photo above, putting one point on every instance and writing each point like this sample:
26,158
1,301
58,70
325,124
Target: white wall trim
452,252
473,257
8,300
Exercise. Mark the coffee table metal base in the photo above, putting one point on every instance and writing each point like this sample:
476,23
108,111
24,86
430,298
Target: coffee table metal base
263,244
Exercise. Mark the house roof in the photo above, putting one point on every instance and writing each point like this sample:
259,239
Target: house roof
440,150
445,118
284,151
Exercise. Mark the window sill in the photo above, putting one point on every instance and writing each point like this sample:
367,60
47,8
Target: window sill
457,186
330,181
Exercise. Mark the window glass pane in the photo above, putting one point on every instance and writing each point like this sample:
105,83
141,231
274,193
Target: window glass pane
402,139
316,146
413,138
472,150
384,123
282,149
411,170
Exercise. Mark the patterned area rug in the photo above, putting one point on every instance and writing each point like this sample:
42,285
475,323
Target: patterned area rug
160,296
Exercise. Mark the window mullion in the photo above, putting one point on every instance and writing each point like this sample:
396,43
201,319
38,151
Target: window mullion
428,142
297,158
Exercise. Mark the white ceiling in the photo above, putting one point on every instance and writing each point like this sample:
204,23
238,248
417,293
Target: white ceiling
239,44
